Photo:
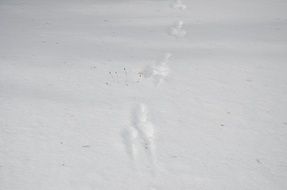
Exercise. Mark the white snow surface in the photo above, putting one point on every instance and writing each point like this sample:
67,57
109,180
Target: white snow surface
109,95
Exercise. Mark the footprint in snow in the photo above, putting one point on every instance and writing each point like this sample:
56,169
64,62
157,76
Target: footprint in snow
159,71
178,4
130,136
177,29
140,136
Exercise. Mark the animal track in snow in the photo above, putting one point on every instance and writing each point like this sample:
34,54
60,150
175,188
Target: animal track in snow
177,29
139,138
129,137
159,71
178,4
142,123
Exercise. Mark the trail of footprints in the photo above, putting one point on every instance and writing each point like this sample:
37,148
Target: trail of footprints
139,137
177,29
159,71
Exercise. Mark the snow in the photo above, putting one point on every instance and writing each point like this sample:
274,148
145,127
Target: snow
143,94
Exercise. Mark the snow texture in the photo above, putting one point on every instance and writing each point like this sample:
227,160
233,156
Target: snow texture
143,95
